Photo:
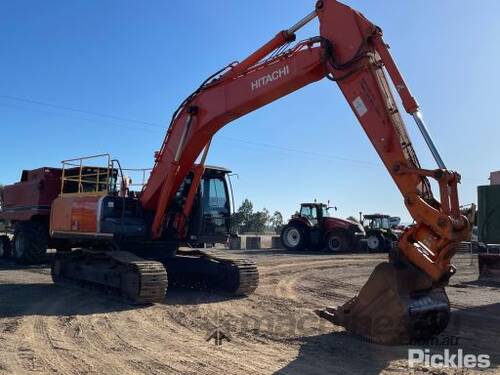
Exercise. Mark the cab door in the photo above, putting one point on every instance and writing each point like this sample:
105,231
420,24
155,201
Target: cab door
216,207
311,213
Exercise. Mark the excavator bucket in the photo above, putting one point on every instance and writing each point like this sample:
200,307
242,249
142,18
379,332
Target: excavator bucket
489,267
397,305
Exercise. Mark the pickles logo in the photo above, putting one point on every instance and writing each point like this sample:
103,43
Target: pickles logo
271,77
447,359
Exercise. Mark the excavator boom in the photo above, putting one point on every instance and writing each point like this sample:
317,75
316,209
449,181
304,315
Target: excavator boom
351,52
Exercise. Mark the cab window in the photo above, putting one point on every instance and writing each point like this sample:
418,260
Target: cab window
309,212
217,197
305,211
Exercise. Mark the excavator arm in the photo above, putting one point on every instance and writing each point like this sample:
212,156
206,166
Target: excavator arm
351,52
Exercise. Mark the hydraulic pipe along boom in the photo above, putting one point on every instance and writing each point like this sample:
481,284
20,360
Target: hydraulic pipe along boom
417,116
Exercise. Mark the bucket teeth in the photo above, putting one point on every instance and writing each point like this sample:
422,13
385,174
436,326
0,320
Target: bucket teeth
328,314
397,304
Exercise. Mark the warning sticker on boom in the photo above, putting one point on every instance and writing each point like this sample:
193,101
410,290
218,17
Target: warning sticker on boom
359,106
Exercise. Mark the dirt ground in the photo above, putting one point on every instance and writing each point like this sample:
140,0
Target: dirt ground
45,328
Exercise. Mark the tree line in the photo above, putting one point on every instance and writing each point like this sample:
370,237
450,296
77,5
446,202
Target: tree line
245,219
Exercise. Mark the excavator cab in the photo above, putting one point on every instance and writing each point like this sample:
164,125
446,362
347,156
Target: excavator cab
211,214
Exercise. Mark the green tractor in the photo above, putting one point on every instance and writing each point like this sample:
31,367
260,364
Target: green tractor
381,232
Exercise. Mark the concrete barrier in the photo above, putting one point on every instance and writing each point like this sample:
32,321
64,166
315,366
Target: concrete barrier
252,242
235,243
276,242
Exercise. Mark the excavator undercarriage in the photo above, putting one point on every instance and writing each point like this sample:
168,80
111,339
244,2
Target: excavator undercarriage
137,280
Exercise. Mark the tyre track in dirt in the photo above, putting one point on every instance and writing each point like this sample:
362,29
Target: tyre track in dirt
60,353
17,357
274,303
61,358
193,336
130,336
101,337
301,264
33,348
311,284
89,339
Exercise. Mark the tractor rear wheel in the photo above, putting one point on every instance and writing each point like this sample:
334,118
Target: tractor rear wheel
293,237
5,246
30,242
337,242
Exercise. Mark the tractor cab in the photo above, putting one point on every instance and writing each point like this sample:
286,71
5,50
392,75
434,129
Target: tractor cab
315,212
377,221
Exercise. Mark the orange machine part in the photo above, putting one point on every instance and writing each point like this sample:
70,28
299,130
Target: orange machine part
75,213
350,51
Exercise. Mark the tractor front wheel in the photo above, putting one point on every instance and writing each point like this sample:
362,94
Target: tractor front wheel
338,242
293,237
375,242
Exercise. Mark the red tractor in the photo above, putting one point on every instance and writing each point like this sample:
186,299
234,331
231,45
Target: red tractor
315,227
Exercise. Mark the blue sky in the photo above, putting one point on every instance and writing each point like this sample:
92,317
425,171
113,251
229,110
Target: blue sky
138,60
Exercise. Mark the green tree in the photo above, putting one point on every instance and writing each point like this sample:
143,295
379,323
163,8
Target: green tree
240,219
246,220
258,221
277,221
246,212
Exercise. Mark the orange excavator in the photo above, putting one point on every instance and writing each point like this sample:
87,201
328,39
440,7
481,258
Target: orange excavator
404,298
